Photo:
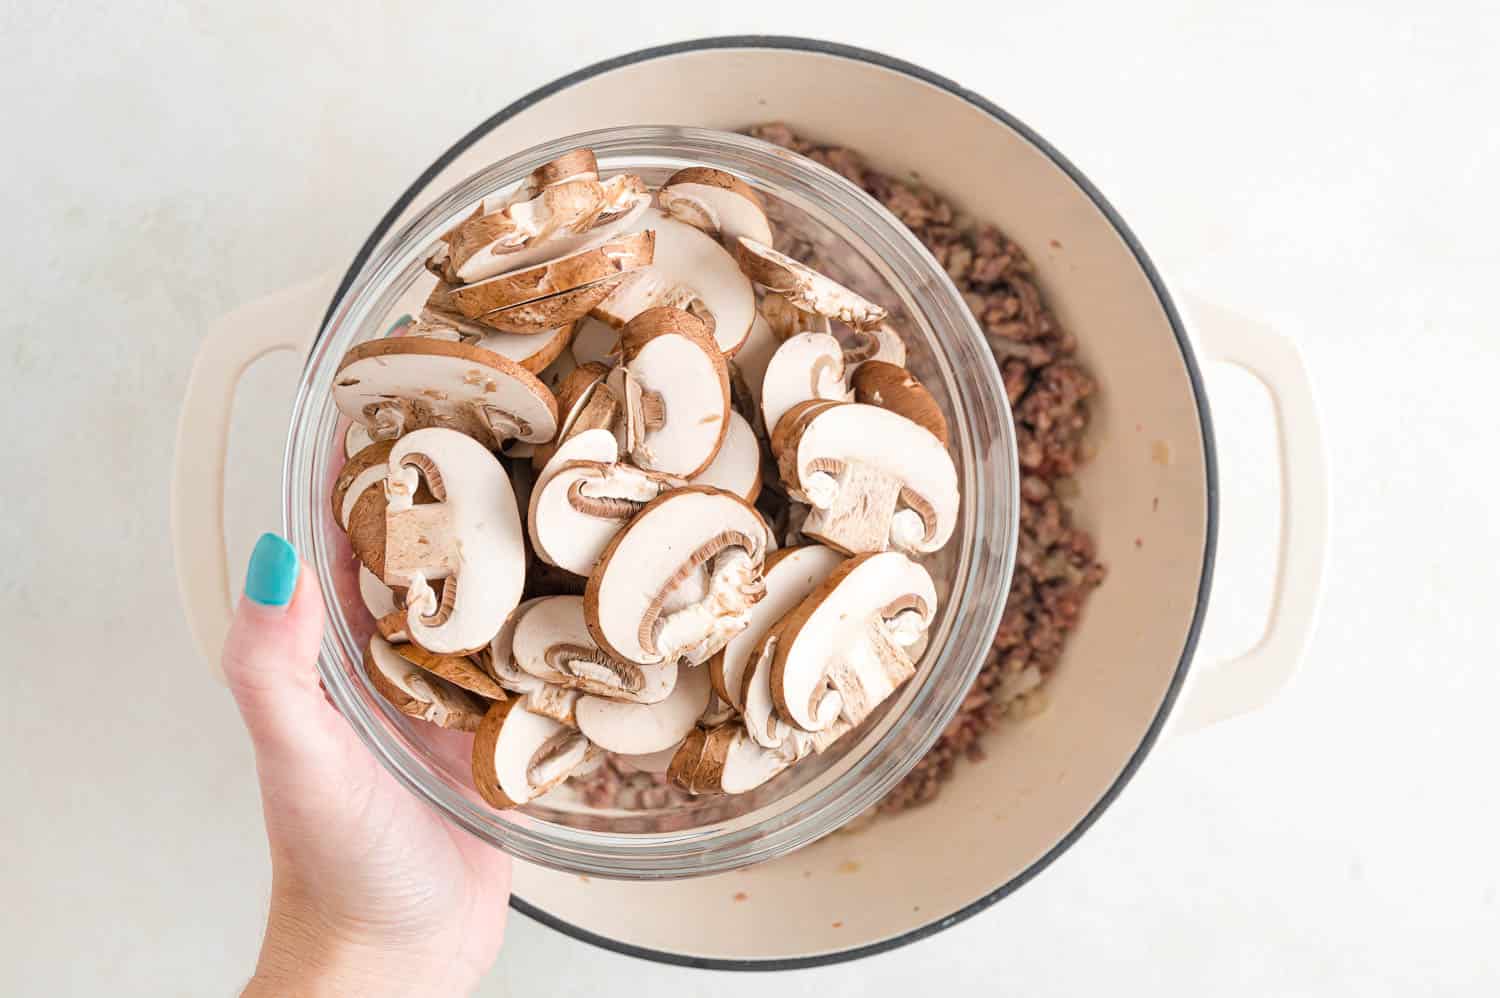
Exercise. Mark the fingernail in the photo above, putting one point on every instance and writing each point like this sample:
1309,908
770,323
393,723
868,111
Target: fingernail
272,576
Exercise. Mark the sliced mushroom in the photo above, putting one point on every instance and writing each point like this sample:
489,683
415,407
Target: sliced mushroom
557,702
596,342
849,639
380,600
586,404
679,580
520,755
456,669
804,287
394,386
806,366
364,471
547,313
470,538
533,352
356,439
874,477
716,202
791,574
553,643
636,728
579,269
717,711
418,693
501,660
675,389
725,760
751,362
575,164
786,320
584,502
878,343
689,270
897,389
736,468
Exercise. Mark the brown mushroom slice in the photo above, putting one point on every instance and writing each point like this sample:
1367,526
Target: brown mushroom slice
717,202
501,660
579,269
356,439
736,468
786,320
557,702
804,287
575,164
806,366
584,503
547,313
878,343
470,538
638,728
849,638
689,270
732,763
596,342
686,759
553,643
418,693
585,404
677,402
456,669
406,383
364,471
897,389
791,574
874,478
520,755
679,580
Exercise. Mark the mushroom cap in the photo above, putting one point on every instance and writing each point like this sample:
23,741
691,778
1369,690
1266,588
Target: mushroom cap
724,760
547,313
791,575
520,755
806,366
418,693
679,579
876,343
575,164
501,660
471,537
668,351
456,669
716,202
804,287
736,468
579,269
842,637
813,447
364,471
690,270
786,320
553,643
637,728
596,342
404,383
895,388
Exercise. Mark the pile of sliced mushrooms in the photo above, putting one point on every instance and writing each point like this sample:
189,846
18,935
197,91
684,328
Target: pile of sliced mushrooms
554,488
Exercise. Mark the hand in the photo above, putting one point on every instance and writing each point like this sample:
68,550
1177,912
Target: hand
372,893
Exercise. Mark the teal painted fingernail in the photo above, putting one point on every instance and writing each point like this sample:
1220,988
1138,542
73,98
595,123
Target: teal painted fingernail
272,576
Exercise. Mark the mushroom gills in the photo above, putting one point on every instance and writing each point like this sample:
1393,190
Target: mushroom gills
418,693
552,642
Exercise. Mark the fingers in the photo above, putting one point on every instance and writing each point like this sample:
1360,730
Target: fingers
271,653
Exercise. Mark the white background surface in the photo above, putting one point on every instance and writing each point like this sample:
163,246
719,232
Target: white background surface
1331,167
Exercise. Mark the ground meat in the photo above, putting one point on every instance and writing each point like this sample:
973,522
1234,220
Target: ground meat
1049,391
615,784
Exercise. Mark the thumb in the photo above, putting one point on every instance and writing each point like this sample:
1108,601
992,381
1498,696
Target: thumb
270,656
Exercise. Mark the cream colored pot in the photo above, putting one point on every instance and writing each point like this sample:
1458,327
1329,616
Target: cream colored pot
1045,782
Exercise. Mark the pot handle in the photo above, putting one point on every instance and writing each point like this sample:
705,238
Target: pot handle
1252,680
286,320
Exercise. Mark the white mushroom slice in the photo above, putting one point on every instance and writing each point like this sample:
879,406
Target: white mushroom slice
364,471
804,287
417,693
790,576
520,755
752,359
806,366
861,466
786,320
553,223
584,504
501,660
394,386
596,342
356,439
557,702
579,269
597,445
897,389
716,202
637,728
880,343
677,403
736,468
653,762
584,404
689,270
459,670
679,580
849,638
470,538
726,761
553,643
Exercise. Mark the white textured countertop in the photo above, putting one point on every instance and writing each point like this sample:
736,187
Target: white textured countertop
1331,170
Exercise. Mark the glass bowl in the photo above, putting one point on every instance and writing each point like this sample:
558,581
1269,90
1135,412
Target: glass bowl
855,240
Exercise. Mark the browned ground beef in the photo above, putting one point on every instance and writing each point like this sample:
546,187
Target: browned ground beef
1049,390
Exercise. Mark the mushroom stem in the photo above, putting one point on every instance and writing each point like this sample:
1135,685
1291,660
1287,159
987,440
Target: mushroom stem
858,517
653,410
700,629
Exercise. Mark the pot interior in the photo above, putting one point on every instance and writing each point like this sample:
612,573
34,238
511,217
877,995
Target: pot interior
1145,497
